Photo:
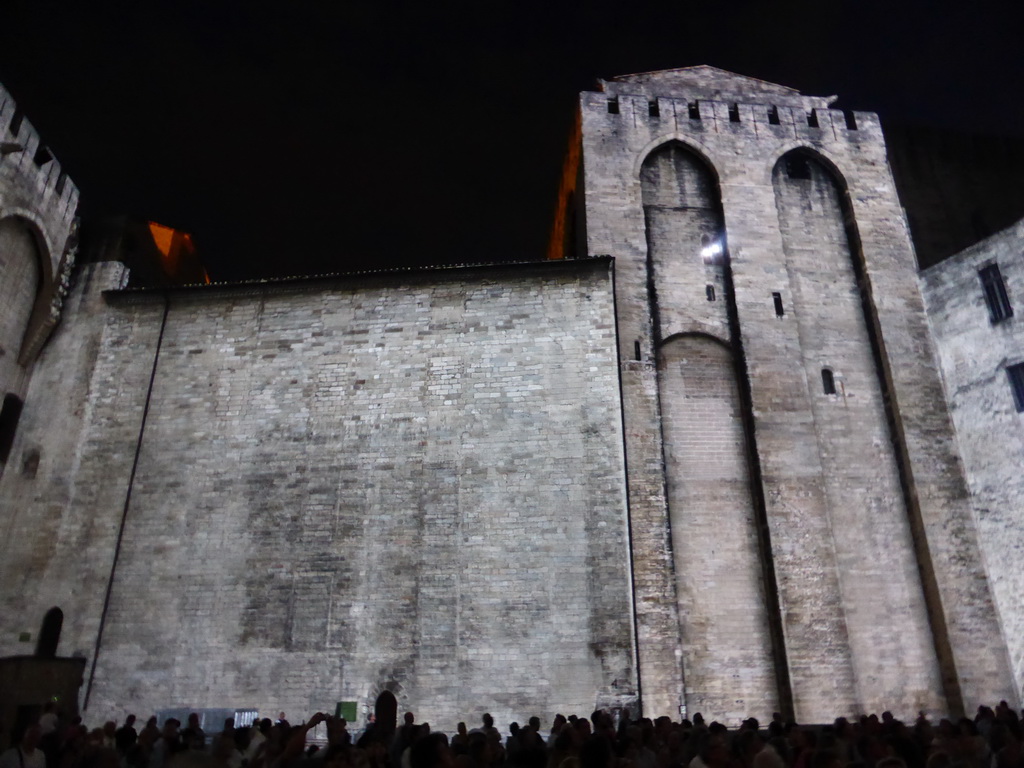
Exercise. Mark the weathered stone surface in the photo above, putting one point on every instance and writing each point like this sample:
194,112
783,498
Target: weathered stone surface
539,487
827,469
38,203
405,483
974,353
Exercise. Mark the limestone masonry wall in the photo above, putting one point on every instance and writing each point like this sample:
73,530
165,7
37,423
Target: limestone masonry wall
975,353
819,529
413,484
38,199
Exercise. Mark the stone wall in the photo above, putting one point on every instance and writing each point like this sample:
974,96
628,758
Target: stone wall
19,285
974,353
332,488
741,128
39,201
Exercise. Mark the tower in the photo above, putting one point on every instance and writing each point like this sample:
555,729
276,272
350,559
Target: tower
801,535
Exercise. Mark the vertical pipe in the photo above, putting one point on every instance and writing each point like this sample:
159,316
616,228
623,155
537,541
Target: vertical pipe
127,505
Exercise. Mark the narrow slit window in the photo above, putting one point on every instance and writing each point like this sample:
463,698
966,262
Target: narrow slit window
16,120
999,307
777,299
10,412
851,120
709,291
734,113
652,109
1016,376
812,119
828,381
636,350
613,106
773,116
693,110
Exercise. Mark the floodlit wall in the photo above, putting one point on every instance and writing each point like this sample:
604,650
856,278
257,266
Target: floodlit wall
826,660
37,234
975,353
411,482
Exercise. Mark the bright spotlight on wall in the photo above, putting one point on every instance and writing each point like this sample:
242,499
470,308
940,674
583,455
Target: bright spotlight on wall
711,252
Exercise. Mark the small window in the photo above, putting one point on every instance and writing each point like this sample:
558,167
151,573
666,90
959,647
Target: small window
828,381
16,120
709,291
999,307
812,119
734,113
693,110
42,156
851,120
1016,376
798,167
9,415
636,349
777,298
613,106
652,108
773,116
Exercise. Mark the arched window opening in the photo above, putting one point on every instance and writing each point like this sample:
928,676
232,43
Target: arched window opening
828,381
49,634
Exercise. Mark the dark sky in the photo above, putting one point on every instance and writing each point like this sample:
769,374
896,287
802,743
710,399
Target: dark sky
297,136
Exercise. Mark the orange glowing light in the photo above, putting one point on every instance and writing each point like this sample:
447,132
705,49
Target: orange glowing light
562,229
177,251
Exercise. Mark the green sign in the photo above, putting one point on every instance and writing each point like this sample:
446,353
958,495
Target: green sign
347,710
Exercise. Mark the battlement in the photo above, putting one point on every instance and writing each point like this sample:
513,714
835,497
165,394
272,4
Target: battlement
35,190
810,120
23,153
711,83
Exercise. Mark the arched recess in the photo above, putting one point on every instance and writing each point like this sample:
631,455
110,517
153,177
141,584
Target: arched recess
49,634
686,247
865,483
723,606
23,274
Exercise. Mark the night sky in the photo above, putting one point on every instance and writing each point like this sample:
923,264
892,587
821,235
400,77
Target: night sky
301,137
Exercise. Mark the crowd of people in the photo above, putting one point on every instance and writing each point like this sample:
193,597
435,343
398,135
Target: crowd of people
992,739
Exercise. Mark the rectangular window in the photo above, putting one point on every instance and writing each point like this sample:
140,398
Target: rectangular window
10,412
1016,375
992,284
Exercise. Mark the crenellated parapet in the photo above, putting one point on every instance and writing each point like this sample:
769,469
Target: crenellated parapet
37,192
